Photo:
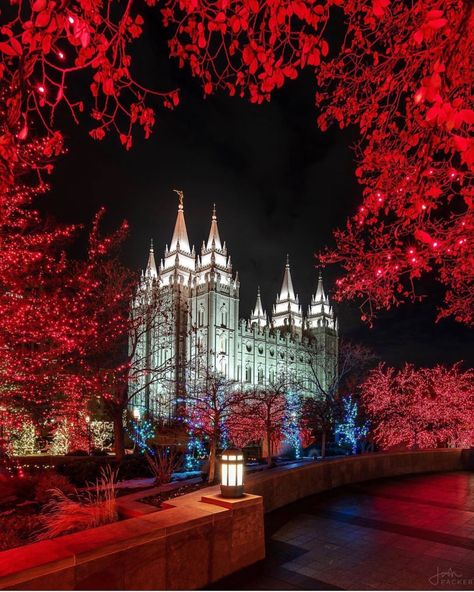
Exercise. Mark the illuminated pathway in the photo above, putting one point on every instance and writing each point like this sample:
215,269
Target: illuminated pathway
414,532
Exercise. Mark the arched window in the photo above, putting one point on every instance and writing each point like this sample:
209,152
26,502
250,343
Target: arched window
223,346
260,375
224,315
201,315
248,374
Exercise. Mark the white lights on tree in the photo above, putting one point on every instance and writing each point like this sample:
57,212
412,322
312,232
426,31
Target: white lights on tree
101,434
24,440
232,473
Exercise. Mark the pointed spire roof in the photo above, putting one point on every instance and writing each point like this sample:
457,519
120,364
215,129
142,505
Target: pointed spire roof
151,265
320,296
258,315
287,291
258,310
180,234
214,238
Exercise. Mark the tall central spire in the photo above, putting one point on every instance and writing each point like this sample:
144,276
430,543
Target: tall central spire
287,309
180,234
287,291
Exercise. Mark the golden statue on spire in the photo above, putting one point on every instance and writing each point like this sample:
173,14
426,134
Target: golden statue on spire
180,196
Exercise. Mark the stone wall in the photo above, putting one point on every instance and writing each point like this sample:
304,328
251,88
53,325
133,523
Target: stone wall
196,541
282,486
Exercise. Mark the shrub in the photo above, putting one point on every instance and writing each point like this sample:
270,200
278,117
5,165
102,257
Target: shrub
163,463
99,452
21,488
81,472
51,481
77,453
16,530
98,506
134,466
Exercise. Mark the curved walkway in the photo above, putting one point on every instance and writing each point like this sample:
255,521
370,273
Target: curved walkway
411,532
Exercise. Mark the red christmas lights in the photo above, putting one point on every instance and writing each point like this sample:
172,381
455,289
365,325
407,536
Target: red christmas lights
420,408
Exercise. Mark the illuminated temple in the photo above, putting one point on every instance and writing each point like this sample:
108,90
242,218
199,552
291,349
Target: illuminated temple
207,333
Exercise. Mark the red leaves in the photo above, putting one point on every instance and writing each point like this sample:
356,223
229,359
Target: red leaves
108,86
258,44
379,7
91,36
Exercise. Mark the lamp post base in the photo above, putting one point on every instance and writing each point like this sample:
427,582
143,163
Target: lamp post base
232,491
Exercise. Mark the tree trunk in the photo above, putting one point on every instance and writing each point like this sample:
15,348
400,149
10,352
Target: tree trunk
212,461
323,444
119,440
269,449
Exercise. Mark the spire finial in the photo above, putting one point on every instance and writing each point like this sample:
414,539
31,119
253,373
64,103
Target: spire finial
214,211
151,245
180,197
287,260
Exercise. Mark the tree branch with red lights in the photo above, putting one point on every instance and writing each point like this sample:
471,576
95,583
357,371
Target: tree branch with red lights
48,48
404,76
420,407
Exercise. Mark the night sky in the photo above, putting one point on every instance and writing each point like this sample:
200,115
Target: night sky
280,186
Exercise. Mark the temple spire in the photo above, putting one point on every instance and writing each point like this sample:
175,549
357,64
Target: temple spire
258,315
320,296
214,240
151,265
287,291
180,234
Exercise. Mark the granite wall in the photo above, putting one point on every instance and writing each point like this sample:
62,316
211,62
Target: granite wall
282,486
194,542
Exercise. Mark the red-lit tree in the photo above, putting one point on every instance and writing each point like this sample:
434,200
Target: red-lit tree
46,45
209,405
260,417
404,75
420,408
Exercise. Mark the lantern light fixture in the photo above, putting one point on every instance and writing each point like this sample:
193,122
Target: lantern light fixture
232,473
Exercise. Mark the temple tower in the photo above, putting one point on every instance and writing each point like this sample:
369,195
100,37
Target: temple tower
214,306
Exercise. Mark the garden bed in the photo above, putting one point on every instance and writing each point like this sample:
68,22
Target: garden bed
158,499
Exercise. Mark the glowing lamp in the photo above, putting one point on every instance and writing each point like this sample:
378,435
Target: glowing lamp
232,473
136,413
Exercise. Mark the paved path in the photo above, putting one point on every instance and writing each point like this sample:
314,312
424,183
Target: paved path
414,532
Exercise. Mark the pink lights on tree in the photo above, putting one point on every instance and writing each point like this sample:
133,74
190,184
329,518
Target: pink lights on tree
420,408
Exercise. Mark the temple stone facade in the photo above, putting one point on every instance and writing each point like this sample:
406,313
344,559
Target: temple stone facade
205,332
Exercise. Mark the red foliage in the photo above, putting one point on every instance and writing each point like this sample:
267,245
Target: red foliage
247,47
51,307
45,45
260,416
404,76
420,408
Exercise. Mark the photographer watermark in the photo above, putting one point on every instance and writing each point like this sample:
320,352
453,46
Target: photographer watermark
450,577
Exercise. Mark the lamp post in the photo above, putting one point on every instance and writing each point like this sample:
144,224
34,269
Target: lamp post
232,473
88,423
